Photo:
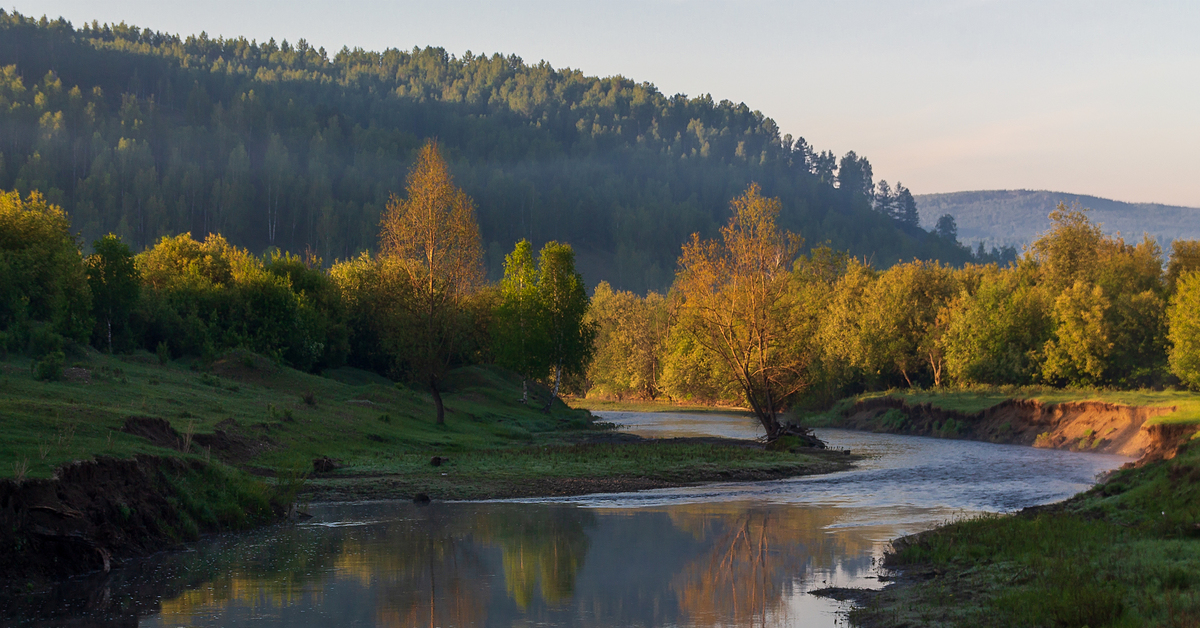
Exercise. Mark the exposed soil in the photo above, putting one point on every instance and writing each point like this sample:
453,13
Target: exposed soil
1077,425
229,442
89,517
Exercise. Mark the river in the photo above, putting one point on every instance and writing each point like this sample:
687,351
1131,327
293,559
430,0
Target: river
731,554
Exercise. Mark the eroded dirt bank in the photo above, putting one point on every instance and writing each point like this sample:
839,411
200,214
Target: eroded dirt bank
95,514
1077,425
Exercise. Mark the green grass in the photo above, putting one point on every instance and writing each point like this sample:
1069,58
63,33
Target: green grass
977,399
1125,553
46,424
372,427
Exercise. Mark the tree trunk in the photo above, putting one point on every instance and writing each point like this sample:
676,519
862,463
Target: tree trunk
766,416
437,401
524,390
554,394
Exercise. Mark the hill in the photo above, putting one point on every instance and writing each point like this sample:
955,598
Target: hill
147,134
1017,217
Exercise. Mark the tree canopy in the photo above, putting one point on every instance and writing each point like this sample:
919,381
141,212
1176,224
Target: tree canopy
275,144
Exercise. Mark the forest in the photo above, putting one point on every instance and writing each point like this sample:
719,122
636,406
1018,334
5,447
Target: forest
1078,309
279,146
412,312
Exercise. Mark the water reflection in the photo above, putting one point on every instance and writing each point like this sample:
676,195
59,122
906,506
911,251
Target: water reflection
729,554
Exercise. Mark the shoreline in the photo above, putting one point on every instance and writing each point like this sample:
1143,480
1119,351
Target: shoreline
970,572
100,514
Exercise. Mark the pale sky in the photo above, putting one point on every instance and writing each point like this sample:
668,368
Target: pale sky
1089,97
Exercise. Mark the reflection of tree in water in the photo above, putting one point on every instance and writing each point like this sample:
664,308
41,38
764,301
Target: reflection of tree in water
755,555
544,548
427,569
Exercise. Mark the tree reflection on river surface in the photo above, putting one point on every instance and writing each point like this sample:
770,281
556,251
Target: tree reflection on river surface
716,555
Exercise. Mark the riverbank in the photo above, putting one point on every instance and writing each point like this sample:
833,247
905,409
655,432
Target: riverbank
1121,554
183,447
643,405
1139,424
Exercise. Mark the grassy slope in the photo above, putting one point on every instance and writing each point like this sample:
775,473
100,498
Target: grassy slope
969,401
1125,553
383,435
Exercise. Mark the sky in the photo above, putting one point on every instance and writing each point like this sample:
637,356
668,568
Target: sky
1088,97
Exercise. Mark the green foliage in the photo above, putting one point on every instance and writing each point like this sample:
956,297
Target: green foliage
1079,351
1185,257
143,134
1184,316
570,340
115,284
630,332
995,334
50,367
204,297
519,333
41,278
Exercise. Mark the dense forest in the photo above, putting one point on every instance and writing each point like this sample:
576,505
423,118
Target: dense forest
279,146
1079,308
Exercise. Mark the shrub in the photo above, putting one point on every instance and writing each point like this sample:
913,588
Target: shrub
50,367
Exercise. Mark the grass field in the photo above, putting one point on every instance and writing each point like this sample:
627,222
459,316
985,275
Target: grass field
373,429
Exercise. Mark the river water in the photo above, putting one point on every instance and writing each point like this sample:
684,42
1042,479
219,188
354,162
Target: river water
731,554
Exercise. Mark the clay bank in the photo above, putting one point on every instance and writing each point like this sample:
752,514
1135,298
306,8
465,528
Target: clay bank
1095,426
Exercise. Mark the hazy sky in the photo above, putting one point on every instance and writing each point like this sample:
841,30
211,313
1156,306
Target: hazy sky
1090,97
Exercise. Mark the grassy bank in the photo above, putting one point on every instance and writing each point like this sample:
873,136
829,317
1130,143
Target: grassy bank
642,405
1186,405
379,437
1125,553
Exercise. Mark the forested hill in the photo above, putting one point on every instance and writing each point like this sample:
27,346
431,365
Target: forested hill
1018,217
145,134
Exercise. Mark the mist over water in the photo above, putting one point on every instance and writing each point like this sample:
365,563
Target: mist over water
741,554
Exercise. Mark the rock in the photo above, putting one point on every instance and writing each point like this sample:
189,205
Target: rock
324,464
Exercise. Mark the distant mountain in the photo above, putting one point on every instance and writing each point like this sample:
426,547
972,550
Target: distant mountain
1017,217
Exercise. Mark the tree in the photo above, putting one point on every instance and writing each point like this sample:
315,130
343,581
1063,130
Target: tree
854,176
1069,250
434,234
519,333
1184,316
1081,346
996,329
946,228
734,300
115,283
42,279
900,320
1185,256
885,201
570,340
906,207
631,332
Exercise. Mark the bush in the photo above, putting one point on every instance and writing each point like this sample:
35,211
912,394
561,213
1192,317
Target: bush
50,367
